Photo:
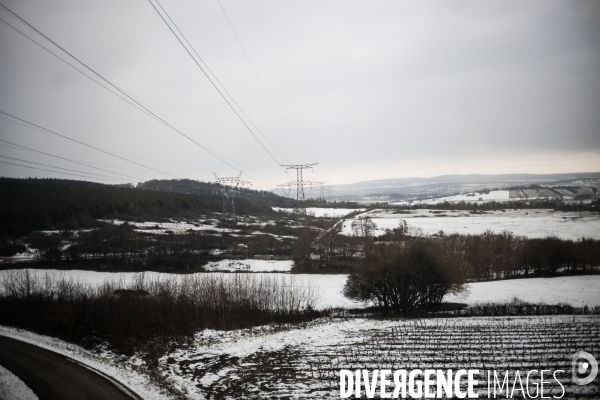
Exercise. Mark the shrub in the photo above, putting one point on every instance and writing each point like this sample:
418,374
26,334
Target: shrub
400,277
128,315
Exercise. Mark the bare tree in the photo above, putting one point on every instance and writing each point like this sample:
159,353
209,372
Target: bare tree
363,227
400,277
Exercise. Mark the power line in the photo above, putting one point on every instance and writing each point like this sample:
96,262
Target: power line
57,172
62,59
67,159
258,77
65,169
141,106
137,104
40,128
321,185
208,77
42,169
85,144
116,152
219,82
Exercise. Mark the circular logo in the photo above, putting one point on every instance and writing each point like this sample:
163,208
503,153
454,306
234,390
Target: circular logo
584,364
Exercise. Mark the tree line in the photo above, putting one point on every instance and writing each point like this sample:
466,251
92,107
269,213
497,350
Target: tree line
554,204
480,257
27,205
406,272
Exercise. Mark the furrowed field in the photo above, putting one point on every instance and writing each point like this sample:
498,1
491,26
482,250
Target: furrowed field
305,363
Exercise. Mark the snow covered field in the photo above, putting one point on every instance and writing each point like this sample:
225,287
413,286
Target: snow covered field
323,212
573,290
494,195
577,291
304,362
534,223
250,265
301,361
176,227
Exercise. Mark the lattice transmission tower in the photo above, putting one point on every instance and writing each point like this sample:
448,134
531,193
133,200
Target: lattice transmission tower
299,179
329,193
230,187
286,188
321,185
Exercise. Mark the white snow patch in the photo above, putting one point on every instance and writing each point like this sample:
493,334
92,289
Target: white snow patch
577,291
329,286
323,212
13,388
243,342
250,265
532,223
574,290
210,345
326,337
176,227
494,195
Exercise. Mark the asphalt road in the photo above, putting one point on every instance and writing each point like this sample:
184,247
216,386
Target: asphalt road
55,377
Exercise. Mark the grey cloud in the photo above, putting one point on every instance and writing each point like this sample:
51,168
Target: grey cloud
369,89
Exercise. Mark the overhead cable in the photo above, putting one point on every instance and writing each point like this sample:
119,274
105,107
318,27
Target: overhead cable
211,81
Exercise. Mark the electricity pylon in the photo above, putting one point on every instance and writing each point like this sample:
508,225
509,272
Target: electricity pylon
329,192
286,188
230,187
321,185
299,180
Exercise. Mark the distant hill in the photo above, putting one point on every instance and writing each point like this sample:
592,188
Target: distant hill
190,186
452,184
42,204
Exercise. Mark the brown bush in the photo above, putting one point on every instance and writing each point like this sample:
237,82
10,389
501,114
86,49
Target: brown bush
126,315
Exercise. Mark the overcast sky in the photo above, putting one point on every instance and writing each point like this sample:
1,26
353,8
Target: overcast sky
366,89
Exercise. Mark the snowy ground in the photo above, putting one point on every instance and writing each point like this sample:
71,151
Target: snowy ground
129,372
304,362
301,361
323,212
173,226
573,290
534,223
250,265
13,388
494,195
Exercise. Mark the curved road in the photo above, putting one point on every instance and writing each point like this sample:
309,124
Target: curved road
52,376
